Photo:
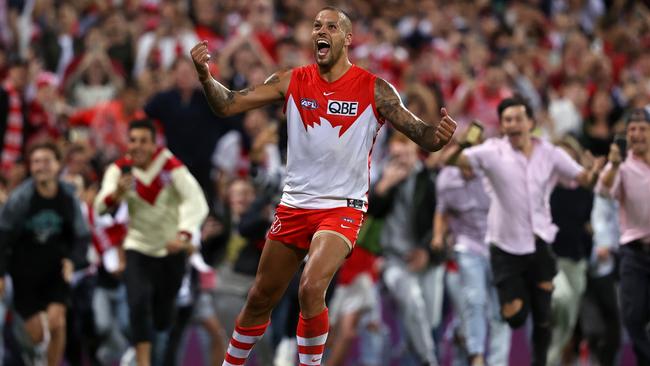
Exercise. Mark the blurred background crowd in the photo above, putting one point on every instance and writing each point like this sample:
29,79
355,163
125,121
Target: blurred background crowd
76,72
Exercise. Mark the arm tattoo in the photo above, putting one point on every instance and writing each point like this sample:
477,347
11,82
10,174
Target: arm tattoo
219,97
222,99
273,79
390,107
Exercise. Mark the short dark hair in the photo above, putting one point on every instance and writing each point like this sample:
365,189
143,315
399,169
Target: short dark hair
343,17
145,124
513,101
45,145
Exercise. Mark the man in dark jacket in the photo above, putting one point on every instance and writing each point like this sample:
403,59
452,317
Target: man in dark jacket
43,236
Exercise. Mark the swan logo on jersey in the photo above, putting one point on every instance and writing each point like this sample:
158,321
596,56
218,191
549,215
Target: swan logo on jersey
342,108
308,103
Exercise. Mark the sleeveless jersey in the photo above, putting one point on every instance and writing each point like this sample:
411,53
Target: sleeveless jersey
331,131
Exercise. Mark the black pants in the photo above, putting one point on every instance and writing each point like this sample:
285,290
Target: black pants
519,277
151,286
635,297
600,322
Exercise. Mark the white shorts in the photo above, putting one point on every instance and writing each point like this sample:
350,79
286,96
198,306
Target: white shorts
360,295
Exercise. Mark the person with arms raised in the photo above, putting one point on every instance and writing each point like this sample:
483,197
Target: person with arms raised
334,111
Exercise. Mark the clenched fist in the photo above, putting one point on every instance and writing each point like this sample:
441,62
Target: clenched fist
445,129
200,57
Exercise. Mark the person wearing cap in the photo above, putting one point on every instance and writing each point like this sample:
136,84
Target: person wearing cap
628,180
13,114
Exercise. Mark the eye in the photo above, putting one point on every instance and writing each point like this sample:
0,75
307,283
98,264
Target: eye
332,26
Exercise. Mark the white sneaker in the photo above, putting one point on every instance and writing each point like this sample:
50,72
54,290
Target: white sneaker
286,353
128,358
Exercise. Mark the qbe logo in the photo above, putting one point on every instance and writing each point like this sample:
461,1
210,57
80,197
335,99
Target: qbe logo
342,108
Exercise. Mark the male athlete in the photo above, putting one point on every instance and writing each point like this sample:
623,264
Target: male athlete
334,111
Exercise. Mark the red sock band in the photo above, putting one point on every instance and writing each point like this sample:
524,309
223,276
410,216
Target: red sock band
311,336
242,341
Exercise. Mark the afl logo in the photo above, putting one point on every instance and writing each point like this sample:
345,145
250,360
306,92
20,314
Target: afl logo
308,103
276,226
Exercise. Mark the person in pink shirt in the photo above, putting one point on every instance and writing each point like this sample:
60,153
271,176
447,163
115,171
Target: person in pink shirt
628,181
520,172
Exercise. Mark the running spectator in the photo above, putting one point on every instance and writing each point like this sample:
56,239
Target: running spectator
165,206
43,237
521,171
627,180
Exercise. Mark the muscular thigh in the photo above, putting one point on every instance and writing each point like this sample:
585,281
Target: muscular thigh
326,255
277,266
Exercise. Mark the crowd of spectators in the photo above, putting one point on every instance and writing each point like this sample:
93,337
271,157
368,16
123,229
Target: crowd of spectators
77,72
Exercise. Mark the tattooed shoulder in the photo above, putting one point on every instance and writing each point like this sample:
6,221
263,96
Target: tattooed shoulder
390,107
386,98
277,78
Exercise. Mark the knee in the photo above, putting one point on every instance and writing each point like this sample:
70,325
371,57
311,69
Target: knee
56,322
260,299
514,313
35,330
311,291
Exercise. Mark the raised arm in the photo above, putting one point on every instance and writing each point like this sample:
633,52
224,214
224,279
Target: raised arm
391,108
225,102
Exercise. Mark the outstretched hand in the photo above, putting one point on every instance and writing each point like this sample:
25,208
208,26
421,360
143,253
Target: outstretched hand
200,57
445,130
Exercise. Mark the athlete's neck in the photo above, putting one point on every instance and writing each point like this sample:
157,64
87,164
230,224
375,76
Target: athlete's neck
334,72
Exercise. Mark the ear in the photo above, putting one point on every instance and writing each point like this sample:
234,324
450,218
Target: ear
348,39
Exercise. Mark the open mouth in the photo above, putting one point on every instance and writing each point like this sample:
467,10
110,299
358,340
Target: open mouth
323,47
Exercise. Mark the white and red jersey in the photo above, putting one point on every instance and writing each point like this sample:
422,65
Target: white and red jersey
332,129
164,200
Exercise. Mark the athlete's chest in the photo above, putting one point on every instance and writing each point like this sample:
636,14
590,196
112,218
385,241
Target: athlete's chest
341,104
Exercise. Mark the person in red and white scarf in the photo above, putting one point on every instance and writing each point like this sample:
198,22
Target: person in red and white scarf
13,121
